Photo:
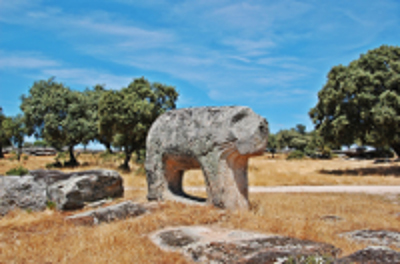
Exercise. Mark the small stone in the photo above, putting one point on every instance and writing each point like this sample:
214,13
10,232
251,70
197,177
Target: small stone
333,218
107,214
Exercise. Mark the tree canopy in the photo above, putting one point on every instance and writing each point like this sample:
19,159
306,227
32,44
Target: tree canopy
128,114
58,115
16,131
4,133
361,102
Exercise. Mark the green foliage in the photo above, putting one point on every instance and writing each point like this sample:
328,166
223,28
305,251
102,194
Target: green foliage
60,157
18,171
310,260
297,154
16,131
4,133
293,138
361,102
104,136
130,112
51,205
40,143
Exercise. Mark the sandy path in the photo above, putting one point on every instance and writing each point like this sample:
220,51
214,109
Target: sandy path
372,189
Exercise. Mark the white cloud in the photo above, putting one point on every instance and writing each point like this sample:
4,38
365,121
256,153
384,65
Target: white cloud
25,60
230,49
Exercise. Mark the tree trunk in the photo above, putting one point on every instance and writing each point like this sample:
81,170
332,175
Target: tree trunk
19,153
128,156
396,149
1,151
72,159
108,147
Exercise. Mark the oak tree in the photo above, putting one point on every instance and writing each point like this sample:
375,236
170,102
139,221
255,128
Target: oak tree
360,102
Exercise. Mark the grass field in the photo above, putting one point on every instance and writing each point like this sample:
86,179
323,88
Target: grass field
45,237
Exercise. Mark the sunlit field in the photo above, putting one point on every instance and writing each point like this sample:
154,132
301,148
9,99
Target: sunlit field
44,237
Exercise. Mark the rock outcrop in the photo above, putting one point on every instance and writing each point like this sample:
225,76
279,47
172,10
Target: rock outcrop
67,190
21,192
375,237
207,245
372,255
219,140
108,214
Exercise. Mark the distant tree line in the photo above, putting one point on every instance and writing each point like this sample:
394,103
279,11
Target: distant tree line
306,143
62,117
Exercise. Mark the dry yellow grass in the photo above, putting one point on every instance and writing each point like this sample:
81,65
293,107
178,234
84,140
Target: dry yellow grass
45,237
265,171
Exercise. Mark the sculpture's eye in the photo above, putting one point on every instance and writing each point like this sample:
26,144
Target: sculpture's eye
263,128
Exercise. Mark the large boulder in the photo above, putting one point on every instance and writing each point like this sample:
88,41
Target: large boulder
67,190
21,192
219,140
87,186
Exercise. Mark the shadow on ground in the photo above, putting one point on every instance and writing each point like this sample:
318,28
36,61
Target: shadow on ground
393,170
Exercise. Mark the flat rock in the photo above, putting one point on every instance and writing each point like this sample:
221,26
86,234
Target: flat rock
210,245
108,214
376,237
21,192
372,255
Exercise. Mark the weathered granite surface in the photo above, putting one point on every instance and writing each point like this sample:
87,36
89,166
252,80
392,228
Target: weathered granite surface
372,255
210,245
68,190
108,214
375,237
21,192
85,186
219,140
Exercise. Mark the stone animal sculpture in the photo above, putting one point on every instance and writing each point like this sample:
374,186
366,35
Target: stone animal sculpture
219,140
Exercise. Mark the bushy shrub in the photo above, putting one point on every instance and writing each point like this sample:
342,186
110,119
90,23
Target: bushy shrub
19,171
297,154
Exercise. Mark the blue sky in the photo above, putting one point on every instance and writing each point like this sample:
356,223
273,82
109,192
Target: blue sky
272,56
